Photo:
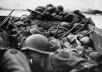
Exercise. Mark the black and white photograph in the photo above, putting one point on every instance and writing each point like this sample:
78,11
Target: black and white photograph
50,35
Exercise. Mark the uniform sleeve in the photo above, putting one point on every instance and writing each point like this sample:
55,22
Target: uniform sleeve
65,60
15,61
75,19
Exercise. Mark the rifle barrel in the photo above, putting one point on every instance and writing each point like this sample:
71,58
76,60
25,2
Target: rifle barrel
82,27
3,22
20,32
68,32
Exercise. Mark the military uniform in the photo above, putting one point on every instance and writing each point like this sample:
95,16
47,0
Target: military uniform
3,35
72,18
63,60
14,61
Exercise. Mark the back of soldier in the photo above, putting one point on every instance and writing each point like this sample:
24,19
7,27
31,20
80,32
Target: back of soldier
15,61
65,60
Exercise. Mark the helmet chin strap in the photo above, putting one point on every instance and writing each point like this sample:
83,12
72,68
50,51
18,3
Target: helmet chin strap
36,50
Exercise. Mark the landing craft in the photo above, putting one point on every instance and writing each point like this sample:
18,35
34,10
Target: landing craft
96,35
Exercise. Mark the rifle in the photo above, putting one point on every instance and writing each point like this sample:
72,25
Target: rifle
20,32
57,29
82,26
68,32
13,23
3,22
34,12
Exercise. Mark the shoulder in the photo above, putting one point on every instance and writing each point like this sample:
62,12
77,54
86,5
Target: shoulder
12,51
64,55
13,54
61,54
15,61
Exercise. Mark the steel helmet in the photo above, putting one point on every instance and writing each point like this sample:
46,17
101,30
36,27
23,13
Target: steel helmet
65,25
78,13
54,44
60,8
28,20
95,56
36,42
50,9
79,35
19,23
71,37
34,31
41,29
40,8
68,18
23,18
49,5
89,50
26,33
84,32
80,49
86,41
3,43
65,13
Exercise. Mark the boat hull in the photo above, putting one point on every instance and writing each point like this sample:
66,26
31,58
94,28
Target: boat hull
96,37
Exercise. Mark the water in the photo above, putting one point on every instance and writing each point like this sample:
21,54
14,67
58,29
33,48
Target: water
97,19
15,13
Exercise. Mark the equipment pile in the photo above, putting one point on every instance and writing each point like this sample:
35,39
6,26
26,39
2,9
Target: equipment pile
52,28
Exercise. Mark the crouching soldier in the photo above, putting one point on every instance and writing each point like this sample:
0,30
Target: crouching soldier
62,60
14,61
37,56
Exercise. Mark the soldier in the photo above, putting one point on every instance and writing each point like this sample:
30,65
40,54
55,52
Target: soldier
40,9
62,28
27,22
20,25
3,35
54,44
59,9
14,61
95,56
34,31
3,43
60,60
24,17
72,18
3,47
37,58
79,13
